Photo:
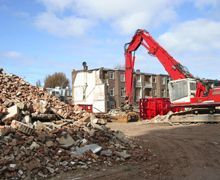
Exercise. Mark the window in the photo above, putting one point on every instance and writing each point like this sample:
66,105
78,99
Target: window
122,77
111,75
147,79
154,79
193,86
138,77
164,94
122,92
111,104
164,80
147,92
112,92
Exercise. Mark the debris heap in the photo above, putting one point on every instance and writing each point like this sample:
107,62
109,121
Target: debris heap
14,90
41,136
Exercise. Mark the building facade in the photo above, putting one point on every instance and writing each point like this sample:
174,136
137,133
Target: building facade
105,88
63,94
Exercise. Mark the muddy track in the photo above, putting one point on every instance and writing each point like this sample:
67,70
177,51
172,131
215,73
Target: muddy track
178,152
187,152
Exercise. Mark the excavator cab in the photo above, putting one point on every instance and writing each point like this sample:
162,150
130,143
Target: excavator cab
182,90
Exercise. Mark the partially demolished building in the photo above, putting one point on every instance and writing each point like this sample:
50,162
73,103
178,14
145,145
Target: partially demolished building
105,88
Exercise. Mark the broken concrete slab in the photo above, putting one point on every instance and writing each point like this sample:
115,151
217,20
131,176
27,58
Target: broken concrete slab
107,152
91,147
43,106
66,141
27,119
13,113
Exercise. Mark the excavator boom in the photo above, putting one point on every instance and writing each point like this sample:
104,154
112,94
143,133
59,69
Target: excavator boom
185,88
172,66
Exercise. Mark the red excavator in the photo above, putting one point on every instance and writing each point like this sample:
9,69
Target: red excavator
185,90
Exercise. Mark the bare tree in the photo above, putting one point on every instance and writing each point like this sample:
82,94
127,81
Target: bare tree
56,79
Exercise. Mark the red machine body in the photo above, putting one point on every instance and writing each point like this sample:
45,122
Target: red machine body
86,107
204,96
151,107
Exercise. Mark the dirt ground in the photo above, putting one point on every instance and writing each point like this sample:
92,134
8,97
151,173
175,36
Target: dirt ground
177,152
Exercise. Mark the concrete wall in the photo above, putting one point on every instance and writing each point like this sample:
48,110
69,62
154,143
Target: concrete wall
89,89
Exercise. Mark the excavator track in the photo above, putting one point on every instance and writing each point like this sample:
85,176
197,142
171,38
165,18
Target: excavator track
196,115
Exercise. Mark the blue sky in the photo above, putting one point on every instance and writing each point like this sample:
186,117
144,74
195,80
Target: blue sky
40,37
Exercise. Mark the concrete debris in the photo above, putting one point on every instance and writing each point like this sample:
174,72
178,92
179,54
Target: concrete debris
43,117
86,118
3,111
121,137
123,154
34,145
50,169
5,130
99,121
161,118
41,136
27,119
15,91
12,114
21,105
91,147
49,143
43,106
107,152
39,126
83,142
42,175
24,128
66,141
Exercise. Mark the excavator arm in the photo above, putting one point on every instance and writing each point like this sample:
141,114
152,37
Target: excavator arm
173,67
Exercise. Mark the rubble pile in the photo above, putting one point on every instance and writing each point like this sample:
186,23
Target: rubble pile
30,99
41,136
161,118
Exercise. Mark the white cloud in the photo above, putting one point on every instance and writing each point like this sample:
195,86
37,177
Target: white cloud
57,5
196,44
11,54
66,26
201,35
125,16
203,3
